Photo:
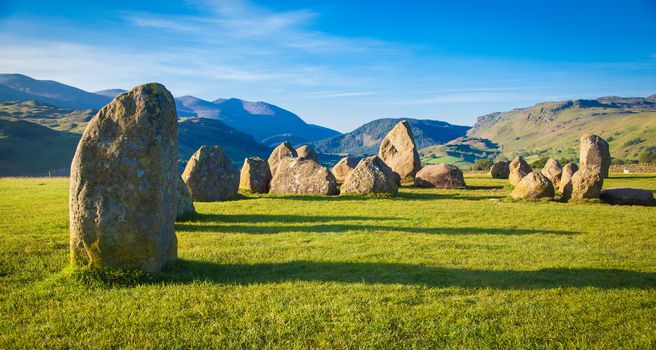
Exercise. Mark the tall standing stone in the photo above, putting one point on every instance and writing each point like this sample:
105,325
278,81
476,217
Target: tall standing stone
343,168
255,175
284,150
306,152
553,171
399,152
595,152
123,195
210,175
186,207
518,169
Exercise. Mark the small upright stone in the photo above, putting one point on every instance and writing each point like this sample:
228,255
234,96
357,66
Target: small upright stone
440,176
306,152
210,175
284,150
595,152
123,190
553,170
255,175
371,175
518,169
500,170
302,176
343,168
585,183
533,186
399,152
186,207
568,171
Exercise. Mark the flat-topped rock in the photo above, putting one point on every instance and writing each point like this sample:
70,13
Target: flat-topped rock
399,152
627,196
210,175
371,175
302,176
440,176
123,189
255,175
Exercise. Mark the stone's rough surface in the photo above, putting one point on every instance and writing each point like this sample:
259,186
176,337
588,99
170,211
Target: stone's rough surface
553,171
500,170
399,152
585,183
343,168
284,150
302,176
371,175
210,175
255,175
518,169
533,186
627,196
185,203
123,195
440,176
306,152
595,152
568,171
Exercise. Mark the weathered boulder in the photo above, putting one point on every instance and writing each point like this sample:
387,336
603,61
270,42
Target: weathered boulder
518,169
344,167
399,152
284,150
123,190
302,176
185,203
585,183
568,171
306,152
440,176
371,175
210,175
533,186
553,171
500,170
595,152
627,196
255,175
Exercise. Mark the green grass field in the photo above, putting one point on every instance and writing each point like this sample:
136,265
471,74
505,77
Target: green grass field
425,269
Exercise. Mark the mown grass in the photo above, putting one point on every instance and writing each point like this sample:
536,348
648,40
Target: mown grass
424,269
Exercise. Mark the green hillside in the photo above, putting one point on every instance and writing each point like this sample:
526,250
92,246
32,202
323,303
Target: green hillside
461,152
554,128
47,115
29,149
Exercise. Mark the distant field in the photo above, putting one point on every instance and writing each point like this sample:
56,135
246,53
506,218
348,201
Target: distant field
425,269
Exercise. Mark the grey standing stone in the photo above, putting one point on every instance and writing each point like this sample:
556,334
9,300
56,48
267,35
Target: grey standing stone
302,176
500,170
284,150
210,175
595,152
343,168
399,152
186,207
255,175
568,171
518,169
371,175
123,196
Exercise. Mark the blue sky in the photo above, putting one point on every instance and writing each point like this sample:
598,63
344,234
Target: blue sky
343,63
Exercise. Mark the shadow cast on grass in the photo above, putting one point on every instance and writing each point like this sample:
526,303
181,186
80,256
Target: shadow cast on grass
427,196
188,271
337,228
255,218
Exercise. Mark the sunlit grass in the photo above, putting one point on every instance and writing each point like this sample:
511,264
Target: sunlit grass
425,269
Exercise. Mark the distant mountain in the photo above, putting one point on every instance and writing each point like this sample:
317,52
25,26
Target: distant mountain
47,115
18,87
259,119
29,149
461,152
554,128
366,139
110,92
